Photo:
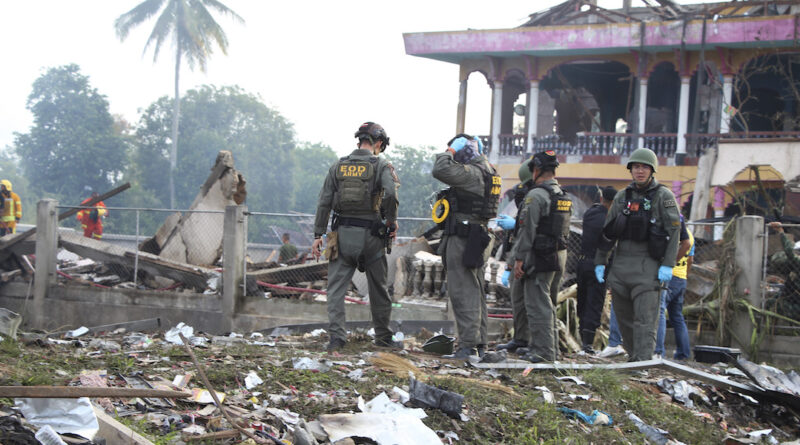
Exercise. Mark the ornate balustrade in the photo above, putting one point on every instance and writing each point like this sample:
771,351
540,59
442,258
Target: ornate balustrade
622,144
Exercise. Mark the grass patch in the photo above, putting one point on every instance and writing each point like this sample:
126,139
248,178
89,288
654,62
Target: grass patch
680,422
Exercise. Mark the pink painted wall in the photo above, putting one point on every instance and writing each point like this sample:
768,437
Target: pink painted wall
732,32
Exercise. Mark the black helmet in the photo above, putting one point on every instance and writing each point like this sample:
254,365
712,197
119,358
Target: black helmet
544,160
373,132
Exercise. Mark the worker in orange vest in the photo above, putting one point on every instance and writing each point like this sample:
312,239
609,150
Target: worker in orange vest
11,209
91,219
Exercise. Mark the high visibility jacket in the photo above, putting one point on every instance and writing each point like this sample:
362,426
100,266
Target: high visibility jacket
84,215
681,266
12,208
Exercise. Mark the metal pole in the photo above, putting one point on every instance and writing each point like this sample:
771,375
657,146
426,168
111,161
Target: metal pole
136,258
244,257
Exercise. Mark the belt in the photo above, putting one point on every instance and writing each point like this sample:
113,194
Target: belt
356,222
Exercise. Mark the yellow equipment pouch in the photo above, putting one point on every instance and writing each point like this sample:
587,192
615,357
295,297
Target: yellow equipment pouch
332,250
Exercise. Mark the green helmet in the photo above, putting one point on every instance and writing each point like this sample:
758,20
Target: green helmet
439,344
644,156
524,171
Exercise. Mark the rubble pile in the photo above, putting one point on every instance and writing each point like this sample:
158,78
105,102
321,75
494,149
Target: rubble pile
281,387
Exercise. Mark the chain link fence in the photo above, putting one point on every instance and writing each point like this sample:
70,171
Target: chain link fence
781,281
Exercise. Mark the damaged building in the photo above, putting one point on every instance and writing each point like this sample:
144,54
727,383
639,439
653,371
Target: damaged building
594,84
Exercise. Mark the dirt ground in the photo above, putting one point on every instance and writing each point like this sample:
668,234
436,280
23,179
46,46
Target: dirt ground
515,406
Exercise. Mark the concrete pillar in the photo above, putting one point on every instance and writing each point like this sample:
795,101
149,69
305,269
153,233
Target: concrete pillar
683,115
719,211
727,92
533,114
497,116
461,114
46,249
233,273
749,256
642,109
702,185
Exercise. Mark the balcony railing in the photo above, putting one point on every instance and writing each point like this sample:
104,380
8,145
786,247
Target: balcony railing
622,144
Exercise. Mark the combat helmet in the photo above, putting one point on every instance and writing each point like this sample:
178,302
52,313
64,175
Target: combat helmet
373,132
643,156
525,171
439,344
544,160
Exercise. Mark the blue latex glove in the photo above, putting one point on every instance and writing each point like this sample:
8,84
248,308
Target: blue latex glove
480,145
506,222
664,274
599,271
459,143
504,278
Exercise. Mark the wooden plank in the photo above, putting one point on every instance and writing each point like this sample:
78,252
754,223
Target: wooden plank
114,432
107,253
74,392
292,274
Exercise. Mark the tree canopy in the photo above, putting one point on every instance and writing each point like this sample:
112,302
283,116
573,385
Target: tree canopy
214,119
73,142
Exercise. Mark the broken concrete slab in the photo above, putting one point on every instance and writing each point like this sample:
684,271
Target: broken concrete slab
188,274
196,237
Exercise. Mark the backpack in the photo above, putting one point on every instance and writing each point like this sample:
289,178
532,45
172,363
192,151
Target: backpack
356,181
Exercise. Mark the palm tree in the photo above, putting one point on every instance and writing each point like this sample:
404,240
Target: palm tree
193,32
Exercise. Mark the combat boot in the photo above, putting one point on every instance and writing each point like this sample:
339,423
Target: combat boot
463,354
512,345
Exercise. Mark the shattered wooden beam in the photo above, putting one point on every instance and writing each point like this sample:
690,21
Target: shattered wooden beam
115,432
631,366
74,392
194,276
292,274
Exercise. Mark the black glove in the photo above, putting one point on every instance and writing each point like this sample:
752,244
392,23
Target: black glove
93,215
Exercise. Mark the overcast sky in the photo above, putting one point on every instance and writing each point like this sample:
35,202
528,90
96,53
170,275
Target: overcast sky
326,66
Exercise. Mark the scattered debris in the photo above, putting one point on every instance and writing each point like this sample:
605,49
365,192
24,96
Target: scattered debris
432,397
399,429
653,434
596,418
9,322
74,415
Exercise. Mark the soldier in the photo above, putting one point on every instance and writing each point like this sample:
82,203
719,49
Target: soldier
543,231
643,223
472,198
591,293
361,189
520,340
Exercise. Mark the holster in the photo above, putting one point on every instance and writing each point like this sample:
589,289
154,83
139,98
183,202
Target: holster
332,250
657,241
477,240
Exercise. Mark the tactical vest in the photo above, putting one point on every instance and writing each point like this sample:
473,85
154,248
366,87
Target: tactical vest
481,206
556,223
356,186
636,216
